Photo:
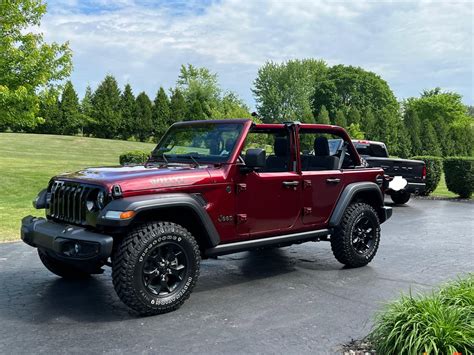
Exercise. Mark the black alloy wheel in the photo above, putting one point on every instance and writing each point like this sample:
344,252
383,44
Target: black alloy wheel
164,269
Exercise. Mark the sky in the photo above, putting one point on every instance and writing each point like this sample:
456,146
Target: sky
413,45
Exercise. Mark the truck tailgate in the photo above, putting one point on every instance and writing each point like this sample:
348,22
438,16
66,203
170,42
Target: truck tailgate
411,170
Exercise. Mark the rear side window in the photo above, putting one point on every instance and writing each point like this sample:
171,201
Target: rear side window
324,151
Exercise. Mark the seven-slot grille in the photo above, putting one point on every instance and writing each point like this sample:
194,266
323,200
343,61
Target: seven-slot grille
68,201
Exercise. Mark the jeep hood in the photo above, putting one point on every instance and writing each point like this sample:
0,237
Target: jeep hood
136,178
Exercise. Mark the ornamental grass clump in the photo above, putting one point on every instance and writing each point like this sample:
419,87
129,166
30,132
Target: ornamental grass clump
439,323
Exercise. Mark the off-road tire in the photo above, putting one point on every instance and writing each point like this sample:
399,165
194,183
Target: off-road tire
129,259
400,197
60,268
342,238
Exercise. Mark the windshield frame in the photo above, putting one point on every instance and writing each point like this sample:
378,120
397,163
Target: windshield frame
245,125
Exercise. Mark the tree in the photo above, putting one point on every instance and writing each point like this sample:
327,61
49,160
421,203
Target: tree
28,65
69,106
354,90
106,109
199,84
50,113
177,106
448,116
143,117
161,114
353,116
354,131
404,142
231,106
412,127
127,110
430,145
86,110
196,112
283,91
323,116
340,119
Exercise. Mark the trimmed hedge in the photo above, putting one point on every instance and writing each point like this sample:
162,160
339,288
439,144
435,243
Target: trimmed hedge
459,175
133,157
434,167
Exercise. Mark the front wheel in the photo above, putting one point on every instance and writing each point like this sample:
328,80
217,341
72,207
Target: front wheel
356,240
156,267
400,197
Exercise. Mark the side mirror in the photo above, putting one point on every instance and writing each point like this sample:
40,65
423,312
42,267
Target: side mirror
255,159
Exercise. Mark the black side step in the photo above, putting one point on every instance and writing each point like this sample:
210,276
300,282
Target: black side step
281,240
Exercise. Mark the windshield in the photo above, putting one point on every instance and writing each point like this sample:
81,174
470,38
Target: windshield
206,142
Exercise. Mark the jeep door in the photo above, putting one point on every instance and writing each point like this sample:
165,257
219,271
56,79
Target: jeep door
321,173
268,201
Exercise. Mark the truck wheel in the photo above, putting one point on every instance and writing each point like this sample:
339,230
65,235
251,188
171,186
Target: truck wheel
60,268
400,197
355,241
156,267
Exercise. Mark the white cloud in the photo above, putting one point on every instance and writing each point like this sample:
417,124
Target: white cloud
413,45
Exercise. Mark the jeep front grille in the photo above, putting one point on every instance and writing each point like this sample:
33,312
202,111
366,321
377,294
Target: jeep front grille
68,201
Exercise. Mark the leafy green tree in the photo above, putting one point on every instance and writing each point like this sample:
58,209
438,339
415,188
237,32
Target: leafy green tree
161,114
199,84
340,119
69,106
283,91
106,109
353,116
86,110
28,65
430,144
143,117
231,106
196,112
178,106
355,131
323,116
127,110
368,123
446,113
404,142
412,127
50,113
348,89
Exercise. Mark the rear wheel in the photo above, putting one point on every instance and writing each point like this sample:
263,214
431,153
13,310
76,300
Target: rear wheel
400,197
355,241
60,268
156,267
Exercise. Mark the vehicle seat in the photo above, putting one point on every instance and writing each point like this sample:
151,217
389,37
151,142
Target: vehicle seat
279,160
322,160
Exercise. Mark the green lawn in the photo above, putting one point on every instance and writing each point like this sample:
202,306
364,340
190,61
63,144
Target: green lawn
28,161
442,190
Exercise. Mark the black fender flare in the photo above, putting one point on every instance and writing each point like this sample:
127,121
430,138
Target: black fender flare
348,194
142,203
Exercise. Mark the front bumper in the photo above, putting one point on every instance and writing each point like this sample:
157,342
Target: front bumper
385,214
66,241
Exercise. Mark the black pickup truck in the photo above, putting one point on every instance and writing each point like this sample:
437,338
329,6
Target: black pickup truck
408,176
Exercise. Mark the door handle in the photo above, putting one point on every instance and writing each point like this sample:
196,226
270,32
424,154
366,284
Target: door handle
291,183
333,180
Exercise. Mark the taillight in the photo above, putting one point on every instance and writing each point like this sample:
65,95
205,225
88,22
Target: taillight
424,172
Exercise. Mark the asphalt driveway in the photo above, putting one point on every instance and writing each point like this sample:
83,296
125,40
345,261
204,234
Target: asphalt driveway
297,299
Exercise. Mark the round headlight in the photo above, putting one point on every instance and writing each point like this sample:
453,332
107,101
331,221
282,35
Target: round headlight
100,201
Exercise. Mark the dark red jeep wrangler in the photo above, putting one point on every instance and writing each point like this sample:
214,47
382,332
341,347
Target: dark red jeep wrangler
209,188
